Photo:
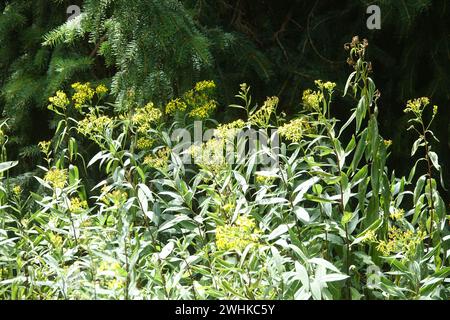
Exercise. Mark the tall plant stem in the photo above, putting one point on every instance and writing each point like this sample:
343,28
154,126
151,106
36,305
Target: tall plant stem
429,178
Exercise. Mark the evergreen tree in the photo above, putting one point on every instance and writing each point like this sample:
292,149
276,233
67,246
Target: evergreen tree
30,72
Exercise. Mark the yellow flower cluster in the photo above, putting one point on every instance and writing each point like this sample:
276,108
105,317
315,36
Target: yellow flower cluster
210,155
329,86
203,111
295,130
56,177
160,160
400,242
60,100
237,236
387,143
312,99
370,236
93,124
108,266
145,117
83,94
230,130
101,90
116,197
17,190
263,180
56,240
228,208
113,275
397,214
199,100
261,117
417,105
175,105
435,110
205,85
44,146
77,205
144,143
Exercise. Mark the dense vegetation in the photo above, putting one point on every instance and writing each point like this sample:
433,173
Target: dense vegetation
137,178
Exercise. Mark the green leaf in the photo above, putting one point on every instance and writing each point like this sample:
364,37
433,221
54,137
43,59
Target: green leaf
331,277
324,263
361,110
359,150
435,160
415,146
4,166
73,174
166,251
173,222
349,81
419,187
302,214
347,217
302,275
303,188
279,231
373,137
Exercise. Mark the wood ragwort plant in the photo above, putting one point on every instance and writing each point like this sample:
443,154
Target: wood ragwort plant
122,214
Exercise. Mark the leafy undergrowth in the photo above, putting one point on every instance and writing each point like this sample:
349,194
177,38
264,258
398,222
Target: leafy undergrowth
265,208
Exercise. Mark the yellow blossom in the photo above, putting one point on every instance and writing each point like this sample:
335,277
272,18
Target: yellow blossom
228,208
144,143
101,90
399,241
237,236
77,205
56,240
243,87
56,177
295,130
229,131
113,276
60,100
203,111
17,190
93,124
44,146
175,105
199,100
312,99
146,116
370,236
261,117
329,86
417,105
435,110
210,155
263,180
397,214
160,160
205,85
83,94
116,197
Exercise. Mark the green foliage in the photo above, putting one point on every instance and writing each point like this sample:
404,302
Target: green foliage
156,50
30,73
314,224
